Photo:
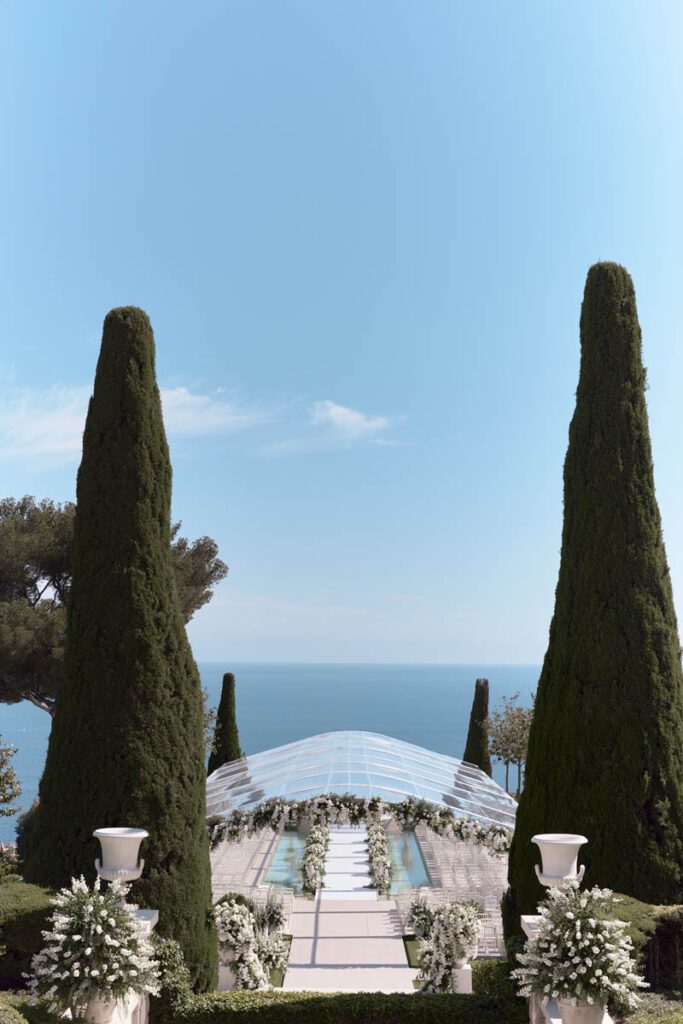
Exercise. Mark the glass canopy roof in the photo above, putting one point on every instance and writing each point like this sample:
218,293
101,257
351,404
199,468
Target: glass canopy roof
365,764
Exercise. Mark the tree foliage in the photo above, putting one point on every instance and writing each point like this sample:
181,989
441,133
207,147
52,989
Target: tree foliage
126,746
477,745
226,744
508,731
35,579
606,743
10,789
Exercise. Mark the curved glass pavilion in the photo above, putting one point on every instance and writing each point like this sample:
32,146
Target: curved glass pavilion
365,764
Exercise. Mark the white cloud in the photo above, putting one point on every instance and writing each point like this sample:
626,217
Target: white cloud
347,423
48,424
334,427
191,414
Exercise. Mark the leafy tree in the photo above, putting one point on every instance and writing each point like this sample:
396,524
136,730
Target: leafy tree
606,743
508,730
226,744
126,746
35,579
477,745
9,784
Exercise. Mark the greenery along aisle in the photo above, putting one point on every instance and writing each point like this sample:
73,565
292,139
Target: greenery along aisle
127,745
346,808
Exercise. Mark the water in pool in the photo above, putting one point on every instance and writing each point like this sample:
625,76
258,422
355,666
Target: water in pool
285,867
408,869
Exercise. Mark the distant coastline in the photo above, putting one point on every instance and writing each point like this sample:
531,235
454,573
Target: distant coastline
278,702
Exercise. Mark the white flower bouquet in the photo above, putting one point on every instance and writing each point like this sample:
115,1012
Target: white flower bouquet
420,917
95,948
251,939
580,952
451,940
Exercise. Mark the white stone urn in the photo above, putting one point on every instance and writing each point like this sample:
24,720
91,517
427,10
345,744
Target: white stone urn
99,1010
120,847
580,1013
559,854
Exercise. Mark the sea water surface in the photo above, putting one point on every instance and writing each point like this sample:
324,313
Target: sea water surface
277,703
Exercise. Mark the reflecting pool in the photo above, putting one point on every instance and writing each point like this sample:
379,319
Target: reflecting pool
408,869
285,867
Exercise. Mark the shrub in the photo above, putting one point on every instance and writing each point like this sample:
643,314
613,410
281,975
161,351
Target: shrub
493,1002
15,1008
24,910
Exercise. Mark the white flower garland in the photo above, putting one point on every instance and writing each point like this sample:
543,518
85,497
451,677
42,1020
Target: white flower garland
349,809
315,852
95,947
251,939
579,952
380,865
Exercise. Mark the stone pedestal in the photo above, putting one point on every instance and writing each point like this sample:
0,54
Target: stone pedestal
135,1009
462,980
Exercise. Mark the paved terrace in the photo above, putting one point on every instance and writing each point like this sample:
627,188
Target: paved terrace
347,945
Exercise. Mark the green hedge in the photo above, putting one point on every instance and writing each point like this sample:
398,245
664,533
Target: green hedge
494,1002
24,910
15,1008
657,934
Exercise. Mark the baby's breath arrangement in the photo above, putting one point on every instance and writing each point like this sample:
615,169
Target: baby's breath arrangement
378,853
251,939
452,937
95,947
315,852
580,952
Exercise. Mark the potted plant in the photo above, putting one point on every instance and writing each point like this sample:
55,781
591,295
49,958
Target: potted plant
96,953
580,956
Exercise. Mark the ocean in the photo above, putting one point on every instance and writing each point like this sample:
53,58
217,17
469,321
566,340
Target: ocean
276,703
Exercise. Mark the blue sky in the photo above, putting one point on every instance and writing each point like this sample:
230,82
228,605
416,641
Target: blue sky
361,231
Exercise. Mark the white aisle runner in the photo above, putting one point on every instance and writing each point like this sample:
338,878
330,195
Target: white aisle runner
347,869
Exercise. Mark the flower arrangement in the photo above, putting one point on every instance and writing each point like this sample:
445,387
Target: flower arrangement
580,952
380,865
95,948
346,808
450,941
420,917
251,939
315,852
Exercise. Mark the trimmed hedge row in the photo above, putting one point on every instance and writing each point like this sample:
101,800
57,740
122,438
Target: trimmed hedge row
657,934
24,910
494,1002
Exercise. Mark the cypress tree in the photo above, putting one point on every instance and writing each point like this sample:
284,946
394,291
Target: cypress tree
126,747
606,743
477,746
226,744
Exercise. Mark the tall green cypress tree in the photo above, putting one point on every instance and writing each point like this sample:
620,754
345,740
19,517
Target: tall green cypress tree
127,747
606,745
226,744
477,746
